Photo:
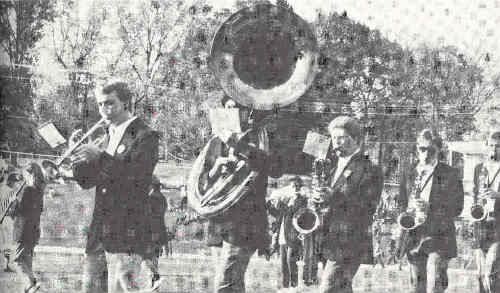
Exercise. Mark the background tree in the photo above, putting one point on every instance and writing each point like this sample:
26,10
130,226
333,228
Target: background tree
21,24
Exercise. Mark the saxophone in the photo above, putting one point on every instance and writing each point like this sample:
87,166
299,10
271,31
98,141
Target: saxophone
309,218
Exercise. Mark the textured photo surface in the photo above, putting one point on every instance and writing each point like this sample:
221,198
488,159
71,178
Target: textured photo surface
249,146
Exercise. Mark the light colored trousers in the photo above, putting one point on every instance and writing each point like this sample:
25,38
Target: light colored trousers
123,272
429,273
488,264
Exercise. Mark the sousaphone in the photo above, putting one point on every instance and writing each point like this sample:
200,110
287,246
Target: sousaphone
264,57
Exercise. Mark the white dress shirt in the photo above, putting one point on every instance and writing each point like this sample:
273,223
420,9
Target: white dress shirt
341,164
115,135
427,177
492,168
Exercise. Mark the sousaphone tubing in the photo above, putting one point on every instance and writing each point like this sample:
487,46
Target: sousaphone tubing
264,57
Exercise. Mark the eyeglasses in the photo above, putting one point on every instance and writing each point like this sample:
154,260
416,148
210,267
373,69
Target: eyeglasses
424,149
106,103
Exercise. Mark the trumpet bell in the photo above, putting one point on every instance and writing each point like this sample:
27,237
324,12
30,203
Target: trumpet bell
306,221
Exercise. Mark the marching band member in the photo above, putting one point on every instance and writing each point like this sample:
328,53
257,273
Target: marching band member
243,230
486,232
353,193
435,189
122,172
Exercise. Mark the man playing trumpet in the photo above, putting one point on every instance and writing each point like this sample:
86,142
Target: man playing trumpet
433,192
121,170
486,231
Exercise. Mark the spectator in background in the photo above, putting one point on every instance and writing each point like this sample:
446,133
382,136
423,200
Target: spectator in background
283,204
25,212
6,226
157,208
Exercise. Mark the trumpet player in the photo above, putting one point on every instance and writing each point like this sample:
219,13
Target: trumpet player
121,170
283,203
433,192
486,231
354,189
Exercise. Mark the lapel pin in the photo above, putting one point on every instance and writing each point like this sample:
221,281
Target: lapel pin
120,149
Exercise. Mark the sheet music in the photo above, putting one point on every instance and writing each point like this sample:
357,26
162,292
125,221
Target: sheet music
51,135
316,145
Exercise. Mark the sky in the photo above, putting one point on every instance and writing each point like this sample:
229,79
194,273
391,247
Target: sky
471,25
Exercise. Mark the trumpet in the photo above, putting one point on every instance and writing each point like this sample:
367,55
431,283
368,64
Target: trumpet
52,169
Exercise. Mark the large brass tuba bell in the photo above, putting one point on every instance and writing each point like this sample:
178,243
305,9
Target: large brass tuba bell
264,56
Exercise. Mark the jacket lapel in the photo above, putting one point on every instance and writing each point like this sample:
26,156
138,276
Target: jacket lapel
436,178
127,138
347,172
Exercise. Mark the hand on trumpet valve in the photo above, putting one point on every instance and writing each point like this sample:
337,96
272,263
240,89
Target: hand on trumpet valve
86,153
489,193
75,137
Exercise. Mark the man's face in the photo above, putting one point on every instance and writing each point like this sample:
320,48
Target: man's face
426,151
110,106
343,144
494,149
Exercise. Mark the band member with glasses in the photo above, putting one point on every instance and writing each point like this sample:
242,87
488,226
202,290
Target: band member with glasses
121,169
487,231
435,190
355,186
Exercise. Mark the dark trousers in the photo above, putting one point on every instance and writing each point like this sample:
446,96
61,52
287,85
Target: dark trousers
232,262
95,272
23,263
428,273
488,263
289,257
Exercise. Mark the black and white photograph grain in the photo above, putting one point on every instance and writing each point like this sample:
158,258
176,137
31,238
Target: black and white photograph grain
249,146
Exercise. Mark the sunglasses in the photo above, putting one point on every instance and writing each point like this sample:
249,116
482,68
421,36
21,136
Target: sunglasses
424,149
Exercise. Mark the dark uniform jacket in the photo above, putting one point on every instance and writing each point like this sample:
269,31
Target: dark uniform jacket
246,223
157,208
446,201
26,213
485,232
352,202
120,220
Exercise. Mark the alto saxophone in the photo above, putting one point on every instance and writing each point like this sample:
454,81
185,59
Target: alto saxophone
483,207
309,218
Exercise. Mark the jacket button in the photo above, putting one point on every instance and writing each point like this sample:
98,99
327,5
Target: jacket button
103,190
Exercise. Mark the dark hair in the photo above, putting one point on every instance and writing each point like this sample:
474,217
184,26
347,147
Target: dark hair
494,135
298,180
226,99
432,136
350,125
36,170
122,91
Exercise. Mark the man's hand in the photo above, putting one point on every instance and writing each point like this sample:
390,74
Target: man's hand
491,194
86,153
75,137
